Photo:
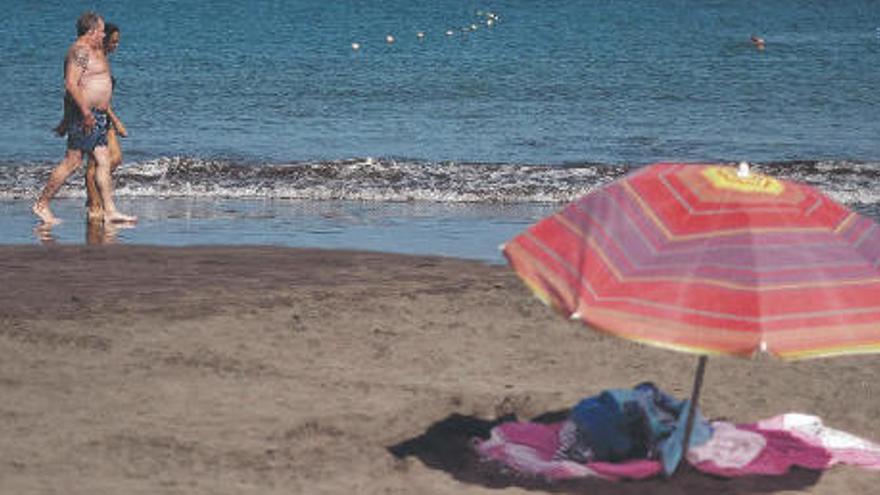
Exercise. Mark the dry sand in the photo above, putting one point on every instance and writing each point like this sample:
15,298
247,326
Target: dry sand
268,370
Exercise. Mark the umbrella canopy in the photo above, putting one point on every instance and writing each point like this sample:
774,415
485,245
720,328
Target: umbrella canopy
710,259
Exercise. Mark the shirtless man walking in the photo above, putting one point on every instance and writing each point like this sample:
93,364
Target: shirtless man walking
87,81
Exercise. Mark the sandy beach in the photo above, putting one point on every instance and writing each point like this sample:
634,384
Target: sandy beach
138,369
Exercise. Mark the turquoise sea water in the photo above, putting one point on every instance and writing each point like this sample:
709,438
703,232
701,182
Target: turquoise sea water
267,100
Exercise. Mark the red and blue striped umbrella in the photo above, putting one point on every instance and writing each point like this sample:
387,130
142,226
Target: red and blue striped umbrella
708,259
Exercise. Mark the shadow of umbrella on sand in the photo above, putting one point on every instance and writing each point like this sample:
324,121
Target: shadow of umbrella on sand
708,260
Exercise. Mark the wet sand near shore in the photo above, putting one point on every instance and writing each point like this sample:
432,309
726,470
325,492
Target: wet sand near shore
140,369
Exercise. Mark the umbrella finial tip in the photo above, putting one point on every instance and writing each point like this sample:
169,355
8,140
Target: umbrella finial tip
743,170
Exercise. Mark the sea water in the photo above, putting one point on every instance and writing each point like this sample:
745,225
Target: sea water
264,108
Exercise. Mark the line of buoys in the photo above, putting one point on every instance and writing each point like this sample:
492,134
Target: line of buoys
488,18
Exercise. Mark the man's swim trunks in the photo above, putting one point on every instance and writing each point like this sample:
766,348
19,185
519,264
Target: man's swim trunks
79,139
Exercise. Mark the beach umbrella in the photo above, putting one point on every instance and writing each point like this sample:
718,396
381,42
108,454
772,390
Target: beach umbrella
709,260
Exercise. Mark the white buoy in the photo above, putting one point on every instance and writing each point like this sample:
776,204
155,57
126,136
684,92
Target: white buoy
420,35
389,39
355,46
743,170
449,32
473,27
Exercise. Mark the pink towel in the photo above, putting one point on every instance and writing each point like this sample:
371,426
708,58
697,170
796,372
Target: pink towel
781,452
843,447
528,448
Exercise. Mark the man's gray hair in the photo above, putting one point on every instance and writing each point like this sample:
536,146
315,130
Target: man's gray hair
87,21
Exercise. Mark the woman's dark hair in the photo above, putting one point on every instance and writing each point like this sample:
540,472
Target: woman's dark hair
109,29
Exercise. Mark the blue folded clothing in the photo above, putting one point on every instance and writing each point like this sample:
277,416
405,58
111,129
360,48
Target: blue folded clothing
639,423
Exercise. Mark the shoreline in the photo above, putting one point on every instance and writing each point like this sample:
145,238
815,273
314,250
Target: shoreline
256,369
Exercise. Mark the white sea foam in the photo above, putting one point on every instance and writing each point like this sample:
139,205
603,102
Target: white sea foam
398,180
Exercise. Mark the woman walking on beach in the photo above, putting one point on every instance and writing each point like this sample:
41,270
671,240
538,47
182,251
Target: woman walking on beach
112,36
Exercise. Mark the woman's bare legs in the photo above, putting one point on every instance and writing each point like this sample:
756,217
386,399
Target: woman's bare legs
115,149
94,205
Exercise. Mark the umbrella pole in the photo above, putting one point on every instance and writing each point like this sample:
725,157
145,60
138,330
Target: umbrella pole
695,397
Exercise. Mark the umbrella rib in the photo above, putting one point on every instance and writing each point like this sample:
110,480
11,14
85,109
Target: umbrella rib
846,221
813,207
864,236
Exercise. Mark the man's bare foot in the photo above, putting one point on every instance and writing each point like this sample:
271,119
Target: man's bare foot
45,214
117,217
95,215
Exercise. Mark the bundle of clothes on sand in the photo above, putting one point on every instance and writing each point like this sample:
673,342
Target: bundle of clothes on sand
639,433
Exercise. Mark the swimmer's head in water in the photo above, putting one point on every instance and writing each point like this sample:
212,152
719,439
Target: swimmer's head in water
758,42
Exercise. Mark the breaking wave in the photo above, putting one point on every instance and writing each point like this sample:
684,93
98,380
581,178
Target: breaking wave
387,179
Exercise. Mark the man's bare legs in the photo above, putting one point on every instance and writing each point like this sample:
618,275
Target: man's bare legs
97,202
105,187
72,160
